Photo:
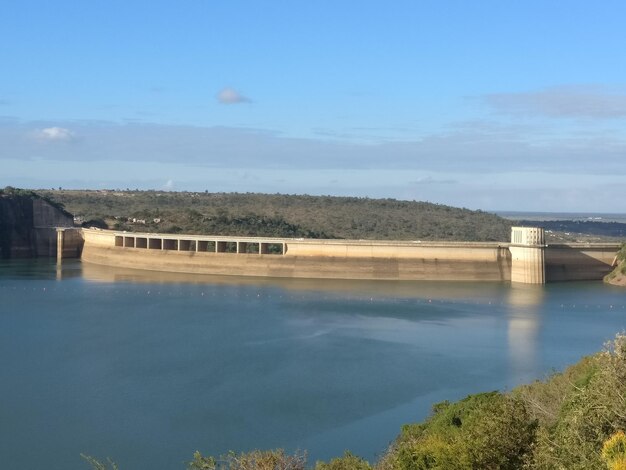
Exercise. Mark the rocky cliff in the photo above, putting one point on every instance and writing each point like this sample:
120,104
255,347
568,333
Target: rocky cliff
618,276
28,224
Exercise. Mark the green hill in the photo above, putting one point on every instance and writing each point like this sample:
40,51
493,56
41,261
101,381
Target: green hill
280,215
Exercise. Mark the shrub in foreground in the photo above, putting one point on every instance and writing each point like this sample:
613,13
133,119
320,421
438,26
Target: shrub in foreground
487,431
254,460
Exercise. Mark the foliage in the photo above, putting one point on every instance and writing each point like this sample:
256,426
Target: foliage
98,223
560,423
98,465
486,431
544,399
280,215
254,460
348,461
575,229
11,192
591,408
614,451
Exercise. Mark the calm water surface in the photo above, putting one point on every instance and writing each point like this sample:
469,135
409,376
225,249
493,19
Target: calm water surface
148,367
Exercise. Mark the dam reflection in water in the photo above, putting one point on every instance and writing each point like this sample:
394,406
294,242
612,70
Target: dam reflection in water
523,301
524,319
405,289
177,362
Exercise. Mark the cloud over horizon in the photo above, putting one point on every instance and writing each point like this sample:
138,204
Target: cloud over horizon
229,95
473,149
562,102
479,164
55,134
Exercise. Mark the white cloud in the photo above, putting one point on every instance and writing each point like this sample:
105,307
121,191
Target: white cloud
58,134
476,149
431,180
231,96
478,164
563,102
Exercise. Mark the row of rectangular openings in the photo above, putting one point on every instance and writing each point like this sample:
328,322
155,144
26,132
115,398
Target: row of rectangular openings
201,245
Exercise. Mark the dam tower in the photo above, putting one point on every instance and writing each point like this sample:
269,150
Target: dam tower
527,249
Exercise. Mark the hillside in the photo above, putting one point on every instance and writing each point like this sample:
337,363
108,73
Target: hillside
279,215
574,420
618,276
559,231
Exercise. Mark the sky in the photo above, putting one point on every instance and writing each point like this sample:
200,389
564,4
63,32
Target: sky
491,105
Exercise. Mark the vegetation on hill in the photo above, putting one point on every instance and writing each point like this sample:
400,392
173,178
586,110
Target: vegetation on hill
575,420
618,275
559,423
558,231
280,215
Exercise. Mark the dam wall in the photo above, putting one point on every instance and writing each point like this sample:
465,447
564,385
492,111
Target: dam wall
526,260
579,261
299,258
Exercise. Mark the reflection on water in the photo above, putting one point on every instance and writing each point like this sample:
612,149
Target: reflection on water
149,366
524,303
406,289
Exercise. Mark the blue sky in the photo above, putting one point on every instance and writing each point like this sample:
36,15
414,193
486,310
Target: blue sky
490,105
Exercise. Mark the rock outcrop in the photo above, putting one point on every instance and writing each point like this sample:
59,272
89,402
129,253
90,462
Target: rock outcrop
28,224
618,276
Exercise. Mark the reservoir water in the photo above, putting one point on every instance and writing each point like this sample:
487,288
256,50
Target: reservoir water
148,367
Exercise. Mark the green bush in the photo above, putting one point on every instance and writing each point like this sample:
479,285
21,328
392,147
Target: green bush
290,216
254,460
486,431
348,461
99,465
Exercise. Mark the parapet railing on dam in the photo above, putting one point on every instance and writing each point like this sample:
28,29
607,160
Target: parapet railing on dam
527,259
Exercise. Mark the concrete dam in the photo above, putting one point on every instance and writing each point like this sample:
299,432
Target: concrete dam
526,259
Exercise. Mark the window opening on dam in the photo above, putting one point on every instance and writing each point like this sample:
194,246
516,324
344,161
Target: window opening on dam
204,246
170,244
252,248
272,248
209,246
226,247
187,245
